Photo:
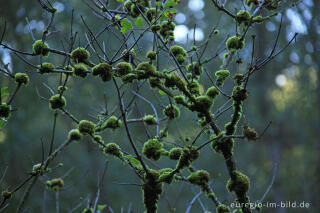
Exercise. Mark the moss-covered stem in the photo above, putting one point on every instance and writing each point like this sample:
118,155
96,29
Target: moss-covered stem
14,94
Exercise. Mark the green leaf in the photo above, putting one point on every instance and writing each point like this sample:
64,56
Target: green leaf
170,3
161,92
134,161
2,123
170,12
126,25
139,22
101,207
4,93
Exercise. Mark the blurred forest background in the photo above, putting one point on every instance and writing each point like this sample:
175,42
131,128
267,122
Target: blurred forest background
286,92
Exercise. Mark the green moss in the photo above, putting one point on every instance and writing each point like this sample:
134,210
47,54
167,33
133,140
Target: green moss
200,178
40,48
216,32
175,153
6,194
212,92
146,67
238,78
134,11
171,111
57,102
21,78
222,76
74,135
55,184
249,133
194,48
235,43
46,68
5,110
223,145
152,149
152,189
131,55
243,16
80,55
113,122
151,13
179,99
103,70
179,52
258,19
195,68
166,28
127,6
144,3
62,89
150,119
80,70
202,104
222,208
189,154
155,28
239,94
163,133
166,176
238,211
123,68
249,2
154,82
152,55
194,87
86,127
113,149
239,184
128,78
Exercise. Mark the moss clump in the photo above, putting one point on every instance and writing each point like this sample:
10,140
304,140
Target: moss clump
62,89
175,153
144,3
127,5
113,149
189,154
239,183
150,120
40,48
243,16
57,102
80,55
239,210
202,104
152,55
46,68
152,189
255,2
154,82
200,177
212,92
129,78
238,78
257,19
5,110
155,28
222,208
6,194
235,43
173,80
103,70
123,68
152,149
166,28
222,76
166,175
55,184
171,111
74,135
249,133
194,87
195,68
179,99
80,70
146,67
223,145
150,13
86,127
21,78
129,56
113,122
239,94
179,52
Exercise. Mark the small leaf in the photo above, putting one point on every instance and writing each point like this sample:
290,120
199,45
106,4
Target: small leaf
139,22
126,25
170,3
101,207
134,161
161,92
